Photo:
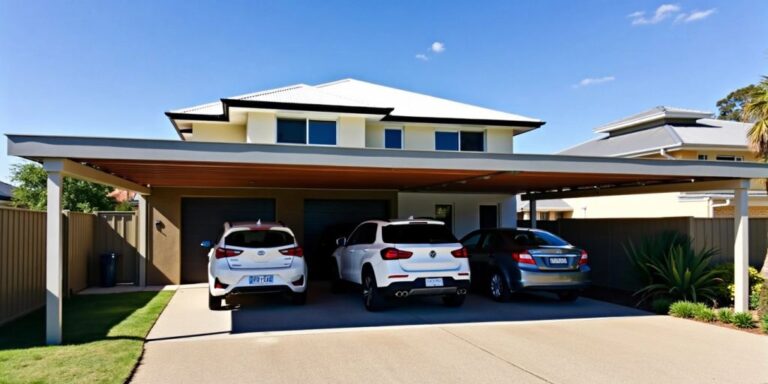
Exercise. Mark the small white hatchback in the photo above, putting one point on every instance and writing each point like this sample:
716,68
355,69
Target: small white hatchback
401,258
255,258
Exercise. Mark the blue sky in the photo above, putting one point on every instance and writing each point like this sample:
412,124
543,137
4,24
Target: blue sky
111,68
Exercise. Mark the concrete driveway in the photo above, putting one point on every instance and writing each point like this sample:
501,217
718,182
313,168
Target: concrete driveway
534,340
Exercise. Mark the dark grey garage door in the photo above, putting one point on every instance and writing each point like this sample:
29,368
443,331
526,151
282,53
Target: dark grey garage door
203,219
326,220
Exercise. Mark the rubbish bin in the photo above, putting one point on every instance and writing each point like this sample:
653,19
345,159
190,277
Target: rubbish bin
108,269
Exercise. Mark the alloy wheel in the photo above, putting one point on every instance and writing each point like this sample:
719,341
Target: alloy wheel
496,285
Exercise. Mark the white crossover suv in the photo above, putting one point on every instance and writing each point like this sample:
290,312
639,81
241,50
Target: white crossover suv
401,258
252,258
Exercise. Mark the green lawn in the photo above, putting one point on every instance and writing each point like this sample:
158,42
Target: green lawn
103,340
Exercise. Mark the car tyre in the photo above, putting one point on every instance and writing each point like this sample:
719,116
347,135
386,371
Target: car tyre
299,298
372,297
568,296
454,300
498,288
214,302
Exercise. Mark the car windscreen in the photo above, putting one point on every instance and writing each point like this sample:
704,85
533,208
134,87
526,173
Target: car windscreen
258,239
534,239
417,234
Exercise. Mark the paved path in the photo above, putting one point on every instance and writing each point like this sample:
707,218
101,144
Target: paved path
191,344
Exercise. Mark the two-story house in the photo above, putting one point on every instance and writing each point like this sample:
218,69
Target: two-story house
352,114
674,134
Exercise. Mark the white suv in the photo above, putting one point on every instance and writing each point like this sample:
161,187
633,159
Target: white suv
254,258
400,258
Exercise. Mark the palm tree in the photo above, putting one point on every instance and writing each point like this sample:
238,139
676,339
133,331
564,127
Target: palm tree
756,111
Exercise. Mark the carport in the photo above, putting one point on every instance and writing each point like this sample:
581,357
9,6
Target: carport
148,166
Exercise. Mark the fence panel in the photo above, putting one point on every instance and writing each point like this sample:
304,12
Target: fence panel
116,232
22,262
79,249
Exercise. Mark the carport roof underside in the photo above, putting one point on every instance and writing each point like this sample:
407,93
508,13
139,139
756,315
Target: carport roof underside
165,163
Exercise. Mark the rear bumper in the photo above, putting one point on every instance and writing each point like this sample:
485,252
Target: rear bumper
418,287
552,281
237,281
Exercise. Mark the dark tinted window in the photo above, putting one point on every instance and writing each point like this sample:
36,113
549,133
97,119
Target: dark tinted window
492,242
322,132
364,234
472,141
393,138
534,238
489,216
291,131
258,239
447,141
417,234
471,240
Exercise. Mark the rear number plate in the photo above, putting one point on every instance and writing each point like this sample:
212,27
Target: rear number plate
261,279
558,260
434,282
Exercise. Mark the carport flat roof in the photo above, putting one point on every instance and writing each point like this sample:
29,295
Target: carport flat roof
172,163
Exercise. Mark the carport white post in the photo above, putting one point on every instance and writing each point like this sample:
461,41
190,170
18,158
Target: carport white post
54,249
741,247
532,212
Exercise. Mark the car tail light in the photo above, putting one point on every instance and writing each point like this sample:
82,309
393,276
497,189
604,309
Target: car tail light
523,258
295,251
460,253
395,254
219,284
584,258
225,252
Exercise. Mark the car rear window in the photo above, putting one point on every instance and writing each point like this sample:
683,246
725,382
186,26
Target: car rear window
417,234
259,239
534,238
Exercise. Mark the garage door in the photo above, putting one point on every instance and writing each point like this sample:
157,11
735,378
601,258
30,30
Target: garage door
203,219
326,220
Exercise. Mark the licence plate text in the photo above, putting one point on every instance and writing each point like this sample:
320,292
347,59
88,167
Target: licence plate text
558,260
260,279
433,282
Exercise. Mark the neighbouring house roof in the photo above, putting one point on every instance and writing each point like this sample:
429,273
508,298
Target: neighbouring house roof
653,114
6,191
643,138
355,96
122,195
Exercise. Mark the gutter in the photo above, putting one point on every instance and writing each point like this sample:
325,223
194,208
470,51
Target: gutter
663,152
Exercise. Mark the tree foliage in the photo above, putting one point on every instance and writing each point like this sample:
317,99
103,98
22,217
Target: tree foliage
77,195
731,107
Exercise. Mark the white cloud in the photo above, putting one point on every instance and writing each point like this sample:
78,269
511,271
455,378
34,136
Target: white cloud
594,81
699,15
422,57
662,13
437,47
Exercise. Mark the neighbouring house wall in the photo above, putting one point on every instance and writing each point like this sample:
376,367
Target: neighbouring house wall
261,128
466,208
218,133
351,132
499,140
647,205
754,211
164,261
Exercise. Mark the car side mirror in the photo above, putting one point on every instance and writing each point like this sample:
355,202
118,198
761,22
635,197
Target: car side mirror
341,241
207,244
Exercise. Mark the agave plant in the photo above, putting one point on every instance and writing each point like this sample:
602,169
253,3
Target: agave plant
684,274
653,251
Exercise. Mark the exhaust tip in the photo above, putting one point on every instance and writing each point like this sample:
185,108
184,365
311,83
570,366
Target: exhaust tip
401,293
461,291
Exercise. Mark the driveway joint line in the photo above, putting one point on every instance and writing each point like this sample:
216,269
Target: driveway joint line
498,357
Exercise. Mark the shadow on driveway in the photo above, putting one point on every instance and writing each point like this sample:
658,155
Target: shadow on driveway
325,310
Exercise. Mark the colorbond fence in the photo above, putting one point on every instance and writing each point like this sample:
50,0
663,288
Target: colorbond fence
604,239
86,236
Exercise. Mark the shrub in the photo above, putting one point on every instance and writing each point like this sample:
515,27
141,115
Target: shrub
704,313
661,305
652,251
684,309
762,301
764,323
725,315
683,274
725,292
743,320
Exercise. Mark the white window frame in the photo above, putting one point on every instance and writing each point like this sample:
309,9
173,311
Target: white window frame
384,137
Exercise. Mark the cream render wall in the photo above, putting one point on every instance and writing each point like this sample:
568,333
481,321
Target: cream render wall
261,128
419,137
499,140
218,132
374,136
466,208
351,132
